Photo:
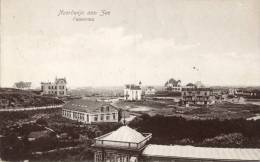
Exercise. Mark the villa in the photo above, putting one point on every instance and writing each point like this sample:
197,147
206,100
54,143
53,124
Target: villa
58,88
133,92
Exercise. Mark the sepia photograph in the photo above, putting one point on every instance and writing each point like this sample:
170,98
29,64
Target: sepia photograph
129,80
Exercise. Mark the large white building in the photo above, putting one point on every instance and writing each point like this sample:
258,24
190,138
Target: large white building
90,111
59,87
133,92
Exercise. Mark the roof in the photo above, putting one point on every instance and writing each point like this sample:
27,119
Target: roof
57,80
190,84
125,134
39,134
191,152
133,87
87,105
196,89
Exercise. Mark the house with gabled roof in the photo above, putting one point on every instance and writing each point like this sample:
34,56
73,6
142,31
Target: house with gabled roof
57,88
90,111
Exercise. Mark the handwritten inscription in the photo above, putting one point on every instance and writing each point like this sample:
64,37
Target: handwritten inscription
81,15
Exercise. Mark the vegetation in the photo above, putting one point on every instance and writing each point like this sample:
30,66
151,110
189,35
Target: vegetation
177,130
52,136
11,98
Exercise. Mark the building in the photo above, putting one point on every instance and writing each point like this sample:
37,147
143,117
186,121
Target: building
173,85
177,153
233,91
196,96
190,85
133,92
90,111
127,145
123,145
150,91
22,85
199,84
57,88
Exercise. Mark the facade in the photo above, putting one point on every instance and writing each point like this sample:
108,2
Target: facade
88,111
150,91
133,92
173,87
196,96
22,85
127,145
232,91
57,88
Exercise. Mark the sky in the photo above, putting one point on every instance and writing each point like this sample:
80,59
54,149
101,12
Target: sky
136,40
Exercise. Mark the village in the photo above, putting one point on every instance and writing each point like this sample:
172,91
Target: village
129,81
69,121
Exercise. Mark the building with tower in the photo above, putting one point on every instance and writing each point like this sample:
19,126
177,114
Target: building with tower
57,88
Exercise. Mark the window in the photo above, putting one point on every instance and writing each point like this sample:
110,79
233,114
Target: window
114,116
98,157
102,109
87,118
107,108
102,117
96,118
108,117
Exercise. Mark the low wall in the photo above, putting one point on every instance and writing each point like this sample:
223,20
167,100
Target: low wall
31,108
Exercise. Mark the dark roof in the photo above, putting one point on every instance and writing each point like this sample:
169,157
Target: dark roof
89,106
190,84
196,89
133,87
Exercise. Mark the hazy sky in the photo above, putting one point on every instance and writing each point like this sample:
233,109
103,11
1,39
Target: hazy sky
147,40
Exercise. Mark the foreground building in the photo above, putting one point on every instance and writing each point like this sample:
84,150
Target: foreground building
196,96
133,92
90,111
123,145
127,145
57,88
